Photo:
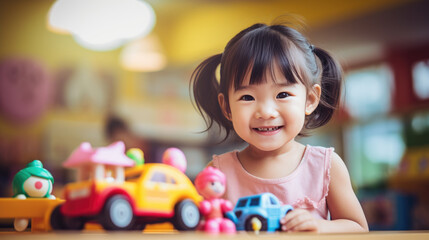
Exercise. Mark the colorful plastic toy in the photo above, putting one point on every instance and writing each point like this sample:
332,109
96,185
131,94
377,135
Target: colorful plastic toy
265,207
210,184
125,200
31,182
175,157
256,225
37,209
137,155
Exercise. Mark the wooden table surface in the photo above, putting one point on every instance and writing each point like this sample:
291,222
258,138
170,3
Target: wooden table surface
94,235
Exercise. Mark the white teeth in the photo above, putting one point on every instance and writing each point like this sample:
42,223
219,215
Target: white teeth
267,129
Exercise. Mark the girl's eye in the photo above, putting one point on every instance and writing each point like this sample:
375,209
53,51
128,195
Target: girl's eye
247,98
283,95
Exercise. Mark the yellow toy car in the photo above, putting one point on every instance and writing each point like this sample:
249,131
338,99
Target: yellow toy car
125,200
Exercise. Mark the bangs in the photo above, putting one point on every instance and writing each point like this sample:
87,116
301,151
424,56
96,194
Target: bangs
259,52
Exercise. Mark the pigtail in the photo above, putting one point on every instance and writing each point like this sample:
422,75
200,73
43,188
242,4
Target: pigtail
206,89
331,80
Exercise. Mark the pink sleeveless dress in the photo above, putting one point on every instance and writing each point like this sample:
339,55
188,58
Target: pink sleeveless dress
306,187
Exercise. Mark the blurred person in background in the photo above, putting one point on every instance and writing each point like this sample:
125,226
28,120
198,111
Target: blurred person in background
117,129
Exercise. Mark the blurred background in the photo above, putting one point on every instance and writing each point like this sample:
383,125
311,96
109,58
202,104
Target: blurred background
98,71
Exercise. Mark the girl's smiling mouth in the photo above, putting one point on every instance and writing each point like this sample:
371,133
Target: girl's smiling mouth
267,130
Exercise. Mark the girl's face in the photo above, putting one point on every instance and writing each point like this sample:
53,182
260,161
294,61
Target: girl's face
270,115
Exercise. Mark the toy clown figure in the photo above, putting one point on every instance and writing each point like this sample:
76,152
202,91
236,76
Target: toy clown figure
34,181
210,183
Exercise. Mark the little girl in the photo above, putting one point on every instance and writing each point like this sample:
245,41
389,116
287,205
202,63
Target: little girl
274,86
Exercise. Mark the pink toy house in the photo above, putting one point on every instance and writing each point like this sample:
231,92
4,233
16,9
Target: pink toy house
103,163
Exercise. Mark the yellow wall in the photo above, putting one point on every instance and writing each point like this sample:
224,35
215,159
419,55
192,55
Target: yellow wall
188,30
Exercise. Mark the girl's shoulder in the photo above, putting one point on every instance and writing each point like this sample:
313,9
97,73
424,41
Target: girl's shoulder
231,154
318,148
319,152
228,158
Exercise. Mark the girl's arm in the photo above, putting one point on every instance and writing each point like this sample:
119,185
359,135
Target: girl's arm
346,212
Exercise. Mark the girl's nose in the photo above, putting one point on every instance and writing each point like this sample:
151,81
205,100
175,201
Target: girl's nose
267,111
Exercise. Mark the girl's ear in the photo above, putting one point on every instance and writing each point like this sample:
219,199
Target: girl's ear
223,105
313,99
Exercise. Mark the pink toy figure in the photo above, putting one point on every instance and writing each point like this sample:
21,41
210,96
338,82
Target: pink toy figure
175,157
210,183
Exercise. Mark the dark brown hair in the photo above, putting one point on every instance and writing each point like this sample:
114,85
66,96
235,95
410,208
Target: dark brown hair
257,49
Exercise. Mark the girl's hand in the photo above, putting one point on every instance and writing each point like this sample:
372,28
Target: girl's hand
299,220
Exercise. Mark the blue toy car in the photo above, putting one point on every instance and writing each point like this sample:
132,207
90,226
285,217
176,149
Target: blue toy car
265,208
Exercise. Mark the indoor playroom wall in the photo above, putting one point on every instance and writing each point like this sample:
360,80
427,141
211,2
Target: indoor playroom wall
383,137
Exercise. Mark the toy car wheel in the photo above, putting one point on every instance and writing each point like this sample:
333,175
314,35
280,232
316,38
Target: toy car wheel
186,215
73,223
248,223
139,224
117,214
57,219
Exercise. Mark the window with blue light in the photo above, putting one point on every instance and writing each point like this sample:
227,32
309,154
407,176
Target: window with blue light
374,149
421,79
368,92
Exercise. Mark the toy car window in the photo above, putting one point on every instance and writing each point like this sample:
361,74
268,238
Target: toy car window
254,201
171,180
158,177
242,203
273,201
